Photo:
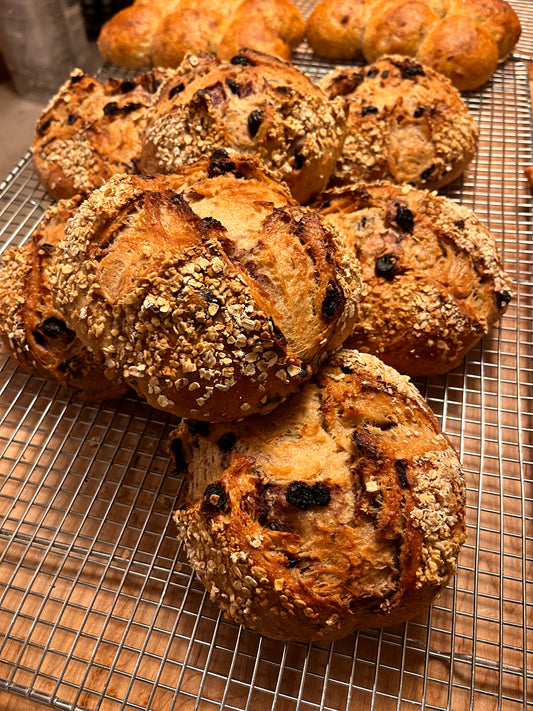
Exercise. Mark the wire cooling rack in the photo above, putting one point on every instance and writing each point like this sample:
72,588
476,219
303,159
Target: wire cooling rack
98,607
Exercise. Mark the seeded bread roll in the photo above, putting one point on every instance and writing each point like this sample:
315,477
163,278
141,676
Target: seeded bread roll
343,509
214,297
91,130
463,39
434,281
406,124
257,105
33,331
162,33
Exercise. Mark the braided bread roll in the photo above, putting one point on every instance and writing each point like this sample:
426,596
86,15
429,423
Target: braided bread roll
462,39
343,509
162,32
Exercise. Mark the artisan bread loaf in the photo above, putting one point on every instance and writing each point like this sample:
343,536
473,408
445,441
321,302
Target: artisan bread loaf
406,124
463,39
434,281
257,105
91,130
212,293
33,331
162,33
342,509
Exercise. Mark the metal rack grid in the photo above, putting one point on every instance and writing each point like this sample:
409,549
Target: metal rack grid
98,608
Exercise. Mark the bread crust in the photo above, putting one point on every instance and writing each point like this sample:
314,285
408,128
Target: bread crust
406,124
434,281
33,331
214,298
462,39
343,509
91,130
257,105
162,34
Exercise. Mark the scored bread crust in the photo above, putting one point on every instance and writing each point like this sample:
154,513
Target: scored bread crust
214,299
406,124
254,104
162,33
463,39
433,277
32,329
91,130
345,508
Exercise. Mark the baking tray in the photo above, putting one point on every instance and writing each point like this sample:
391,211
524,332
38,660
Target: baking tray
98,607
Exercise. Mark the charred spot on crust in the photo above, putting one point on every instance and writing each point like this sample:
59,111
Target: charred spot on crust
76,79
401,470
198,427
387,266
255,119
372,72
304,496
127,85
367,110
427,173
176,90
178,453
220,163
409,68
460,224
277,333
504,297
332,300
227,441
43,127
215,498
299,160
419,112
238,59
111,109
54,327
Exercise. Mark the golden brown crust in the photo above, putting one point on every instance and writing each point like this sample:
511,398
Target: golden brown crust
434,282
257,105
343,509
406,124
214,298
462,39
91,130
161,35
33,331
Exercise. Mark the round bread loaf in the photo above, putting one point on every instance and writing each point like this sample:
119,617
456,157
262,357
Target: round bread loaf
91,130
406,124
213,293
343,509
463,39
162,32
434,282
33,331
254,104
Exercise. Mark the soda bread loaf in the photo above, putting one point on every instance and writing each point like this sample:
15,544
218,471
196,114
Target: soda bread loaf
462,39
162,32
255,104
33,331
212,293
345,508
91,130
406,124
434,281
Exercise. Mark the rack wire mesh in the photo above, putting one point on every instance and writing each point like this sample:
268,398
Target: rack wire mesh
98,606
